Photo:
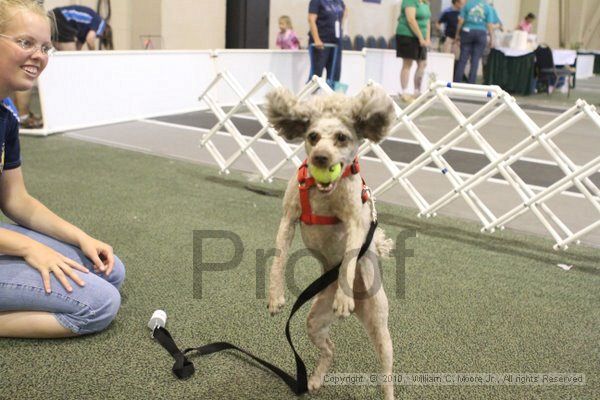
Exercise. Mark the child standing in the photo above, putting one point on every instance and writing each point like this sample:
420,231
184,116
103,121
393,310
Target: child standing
287,38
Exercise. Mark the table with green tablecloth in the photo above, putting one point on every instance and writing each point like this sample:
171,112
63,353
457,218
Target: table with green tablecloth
512,70
597,62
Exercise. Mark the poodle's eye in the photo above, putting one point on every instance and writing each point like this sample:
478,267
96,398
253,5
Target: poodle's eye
313,137
341,138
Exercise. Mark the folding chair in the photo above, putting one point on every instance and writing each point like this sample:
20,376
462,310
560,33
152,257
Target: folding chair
547,72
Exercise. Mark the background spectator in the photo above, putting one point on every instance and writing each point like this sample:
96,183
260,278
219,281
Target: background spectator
79,25
496,21
449,19
527,23
326,18
496,25
287,38
413,36
27,119
475,18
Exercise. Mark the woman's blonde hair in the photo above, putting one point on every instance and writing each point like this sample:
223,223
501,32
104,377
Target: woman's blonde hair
9,8
287,21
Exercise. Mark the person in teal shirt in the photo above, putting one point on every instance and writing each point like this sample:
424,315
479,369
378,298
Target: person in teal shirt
473,23
496,25
413,36
496,21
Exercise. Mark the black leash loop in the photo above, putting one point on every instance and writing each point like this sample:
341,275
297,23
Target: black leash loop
183,368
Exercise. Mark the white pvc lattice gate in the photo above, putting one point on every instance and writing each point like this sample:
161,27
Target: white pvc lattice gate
467,128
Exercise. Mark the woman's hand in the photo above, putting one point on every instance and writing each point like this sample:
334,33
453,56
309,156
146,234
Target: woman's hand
424,42
47,260
100,253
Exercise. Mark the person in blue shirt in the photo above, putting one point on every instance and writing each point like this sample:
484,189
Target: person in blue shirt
449,19
325,19
79,25
55,279
474,22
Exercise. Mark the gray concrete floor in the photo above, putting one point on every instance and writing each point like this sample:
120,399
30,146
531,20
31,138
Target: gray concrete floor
178,136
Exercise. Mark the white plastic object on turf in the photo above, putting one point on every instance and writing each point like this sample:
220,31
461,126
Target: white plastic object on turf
565,266
158,320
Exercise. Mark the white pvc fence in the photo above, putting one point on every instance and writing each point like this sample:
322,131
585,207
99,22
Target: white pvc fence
466,128
245,145
85,89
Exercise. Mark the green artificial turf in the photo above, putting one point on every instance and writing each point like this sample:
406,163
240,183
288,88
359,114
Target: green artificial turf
471,302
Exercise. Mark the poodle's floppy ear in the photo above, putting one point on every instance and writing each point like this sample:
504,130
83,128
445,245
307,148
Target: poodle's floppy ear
287,115
372,112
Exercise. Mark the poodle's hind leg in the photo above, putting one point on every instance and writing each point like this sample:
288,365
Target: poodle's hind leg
318,322
372,311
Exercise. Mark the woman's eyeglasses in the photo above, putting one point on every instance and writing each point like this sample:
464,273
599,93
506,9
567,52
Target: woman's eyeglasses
30,46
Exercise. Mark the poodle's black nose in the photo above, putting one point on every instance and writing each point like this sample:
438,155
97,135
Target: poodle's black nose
320,161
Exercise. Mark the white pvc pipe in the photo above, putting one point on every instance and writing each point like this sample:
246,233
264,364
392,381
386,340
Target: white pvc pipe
511,177
510,156
469,86
470,93
237,136
228,79
563,243
552,190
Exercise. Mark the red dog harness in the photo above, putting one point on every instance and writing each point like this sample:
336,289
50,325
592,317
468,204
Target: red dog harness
305,182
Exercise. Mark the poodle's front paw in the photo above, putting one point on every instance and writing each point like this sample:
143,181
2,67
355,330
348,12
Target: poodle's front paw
343,305
276,303
314,383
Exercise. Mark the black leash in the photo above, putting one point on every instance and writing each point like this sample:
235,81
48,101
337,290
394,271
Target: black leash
184,368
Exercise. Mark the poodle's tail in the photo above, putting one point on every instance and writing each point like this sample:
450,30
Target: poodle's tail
383,244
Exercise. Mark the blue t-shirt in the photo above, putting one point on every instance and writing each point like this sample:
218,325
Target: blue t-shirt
11,106
84,19
10,150
476,14
450,18
328,13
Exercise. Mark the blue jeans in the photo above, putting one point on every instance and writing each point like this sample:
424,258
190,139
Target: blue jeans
472,45
85,310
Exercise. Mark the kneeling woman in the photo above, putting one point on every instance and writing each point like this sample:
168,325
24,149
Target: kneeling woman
55,280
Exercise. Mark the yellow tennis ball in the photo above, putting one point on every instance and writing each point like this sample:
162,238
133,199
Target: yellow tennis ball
325,175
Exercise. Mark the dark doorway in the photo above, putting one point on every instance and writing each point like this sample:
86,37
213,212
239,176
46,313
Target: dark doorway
247,24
